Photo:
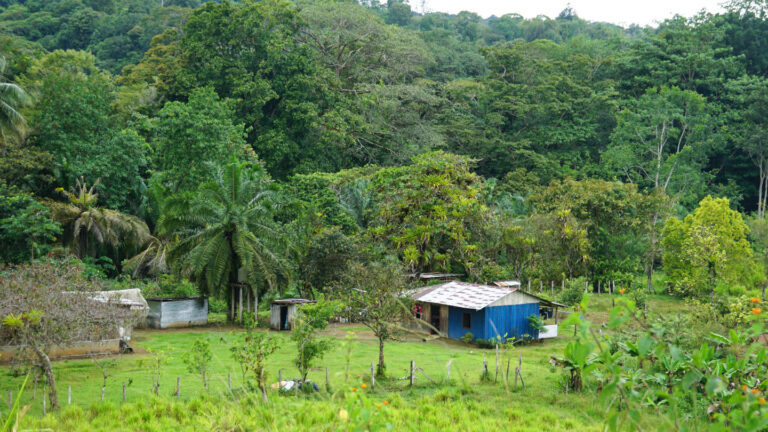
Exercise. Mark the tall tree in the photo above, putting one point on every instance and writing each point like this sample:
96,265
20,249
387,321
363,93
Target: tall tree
12,99
748,96
190,134
227,225
84,138
88,227
426,211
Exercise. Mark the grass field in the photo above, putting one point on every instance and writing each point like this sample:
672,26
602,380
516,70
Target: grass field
465,402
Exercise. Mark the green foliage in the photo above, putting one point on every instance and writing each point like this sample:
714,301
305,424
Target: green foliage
426,211
198,358
226,225
468,338
91,229
307,322
193,133
573,292
611,214
86,141
374,295
26,227
708,248
252,354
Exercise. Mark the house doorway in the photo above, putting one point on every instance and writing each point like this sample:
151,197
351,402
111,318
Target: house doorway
283,317
434,319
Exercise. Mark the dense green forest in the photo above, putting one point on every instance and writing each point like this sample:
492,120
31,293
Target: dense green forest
292,138
335,150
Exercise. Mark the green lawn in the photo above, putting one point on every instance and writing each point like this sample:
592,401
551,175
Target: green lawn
541,405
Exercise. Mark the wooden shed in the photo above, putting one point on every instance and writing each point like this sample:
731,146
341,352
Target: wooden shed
281,312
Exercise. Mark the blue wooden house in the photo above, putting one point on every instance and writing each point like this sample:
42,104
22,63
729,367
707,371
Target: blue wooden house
457,308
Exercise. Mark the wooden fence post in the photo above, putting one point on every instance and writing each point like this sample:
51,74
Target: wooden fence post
247,300
327,381
103,390
373,377
69,395
496,378
240,306
229,381
10,399
123,391
586,287
562,285
232,304
552,287
413,370
279,378
519,372
529,285
178,387
541,285
44,398
448,374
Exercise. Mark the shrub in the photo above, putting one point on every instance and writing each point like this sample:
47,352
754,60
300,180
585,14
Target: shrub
468,337
573,292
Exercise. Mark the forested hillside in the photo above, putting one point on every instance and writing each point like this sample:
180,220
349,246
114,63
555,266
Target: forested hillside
332,150
351,113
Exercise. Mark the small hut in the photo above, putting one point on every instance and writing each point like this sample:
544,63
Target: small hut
177,312
281,312
455,308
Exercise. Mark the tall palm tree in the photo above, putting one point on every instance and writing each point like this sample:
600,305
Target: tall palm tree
226,226
12,98
89,226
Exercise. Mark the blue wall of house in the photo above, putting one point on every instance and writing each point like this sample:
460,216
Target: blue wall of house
511,320
455,329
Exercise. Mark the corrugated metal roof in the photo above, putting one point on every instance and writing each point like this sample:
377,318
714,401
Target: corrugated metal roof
462,294
508,283
293,301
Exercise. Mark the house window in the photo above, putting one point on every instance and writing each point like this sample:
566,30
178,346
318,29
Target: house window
466,320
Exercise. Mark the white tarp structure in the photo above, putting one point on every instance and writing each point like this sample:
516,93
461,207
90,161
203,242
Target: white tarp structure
130,298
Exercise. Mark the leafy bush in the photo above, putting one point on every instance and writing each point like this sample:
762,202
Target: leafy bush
171,287
535,321
485,343
573,292
217,305
639,296
468,337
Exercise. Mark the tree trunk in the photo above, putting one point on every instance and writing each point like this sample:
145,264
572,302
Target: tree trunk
650,278
45,361
380,369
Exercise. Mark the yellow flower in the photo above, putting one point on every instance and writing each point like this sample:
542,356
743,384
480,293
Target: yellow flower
378,406
386,402
363,386
622,290
354,389
755,391
744,387
343,414
754,300
59,189
757,311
